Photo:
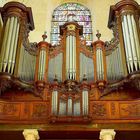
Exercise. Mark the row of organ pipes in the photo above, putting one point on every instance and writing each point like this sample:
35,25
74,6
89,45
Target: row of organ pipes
131,42
71,57
105,63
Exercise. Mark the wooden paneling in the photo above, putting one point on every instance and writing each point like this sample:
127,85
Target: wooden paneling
100,111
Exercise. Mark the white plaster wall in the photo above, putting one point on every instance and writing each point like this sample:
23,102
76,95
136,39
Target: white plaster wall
43,9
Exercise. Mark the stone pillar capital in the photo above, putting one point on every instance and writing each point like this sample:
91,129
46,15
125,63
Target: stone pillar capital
30,134
107,134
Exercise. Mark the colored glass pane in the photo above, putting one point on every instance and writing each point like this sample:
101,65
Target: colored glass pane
71,12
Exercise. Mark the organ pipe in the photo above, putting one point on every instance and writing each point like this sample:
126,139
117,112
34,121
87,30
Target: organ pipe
42,60
54,102
85,102
71,57
114,64
1,25
69,106
125,13
13,30
71,40
99,54
27,65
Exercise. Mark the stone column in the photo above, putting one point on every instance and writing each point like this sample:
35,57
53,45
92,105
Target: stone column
107,134
30,134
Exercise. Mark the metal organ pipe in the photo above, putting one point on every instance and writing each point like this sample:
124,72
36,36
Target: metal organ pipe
13,35
69,106
85,102
135,33
133,48
127,44
131,42
3,49
54,102
42,64
114,64
100,67
67,57
42,60
12,44
71,57
9,45
126,49
1,22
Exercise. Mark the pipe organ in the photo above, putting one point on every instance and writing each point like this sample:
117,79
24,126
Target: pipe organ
70,76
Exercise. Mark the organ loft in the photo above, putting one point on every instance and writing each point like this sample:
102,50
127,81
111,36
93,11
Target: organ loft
73,86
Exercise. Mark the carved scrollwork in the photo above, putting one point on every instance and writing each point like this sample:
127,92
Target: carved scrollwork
131,81
30,47
40,110
99,110
130,110
8,81
9,109
115,40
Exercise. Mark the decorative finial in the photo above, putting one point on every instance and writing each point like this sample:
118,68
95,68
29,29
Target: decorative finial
98,35
84,77
44,36
55,77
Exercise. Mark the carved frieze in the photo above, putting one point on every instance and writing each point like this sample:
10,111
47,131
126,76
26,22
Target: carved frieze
40,110
130,110
98,110
11,110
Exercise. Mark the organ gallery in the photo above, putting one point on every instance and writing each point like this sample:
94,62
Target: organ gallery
73,86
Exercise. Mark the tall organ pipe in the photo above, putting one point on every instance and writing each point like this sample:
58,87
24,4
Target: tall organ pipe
42,60
71,57
100,72
85,103
54,102
126,15
13,30
114,63
131,46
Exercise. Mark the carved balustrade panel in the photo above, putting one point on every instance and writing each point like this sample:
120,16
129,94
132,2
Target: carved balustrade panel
24,112
115,110
40,112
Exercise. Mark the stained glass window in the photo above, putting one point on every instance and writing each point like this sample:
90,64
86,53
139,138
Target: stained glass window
71,12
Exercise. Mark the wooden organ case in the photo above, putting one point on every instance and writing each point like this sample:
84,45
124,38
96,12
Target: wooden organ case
70,83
